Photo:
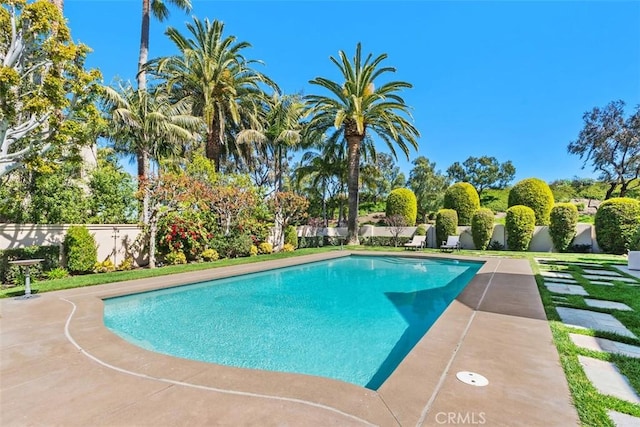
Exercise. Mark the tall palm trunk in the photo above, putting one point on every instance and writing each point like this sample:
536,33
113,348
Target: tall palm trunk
142,158
144,45
213,148
353,145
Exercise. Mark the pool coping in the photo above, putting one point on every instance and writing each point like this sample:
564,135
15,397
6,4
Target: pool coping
495,327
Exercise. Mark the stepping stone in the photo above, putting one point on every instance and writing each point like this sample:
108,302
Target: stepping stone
607,379
556,274
623,420
561,288
610,278
546,260
605,345
607,304
601,272
561,280
601,283
592,320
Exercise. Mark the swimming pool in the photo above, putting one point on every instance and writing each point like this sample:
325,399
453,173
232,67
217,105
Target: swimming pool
352,319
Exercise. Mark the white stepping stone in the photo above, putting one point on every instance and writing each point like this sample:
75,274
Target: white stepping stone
607,379
561,288
601,272
605,345
561,280
607,304
601,283
623,420
593,320
556,274
610,278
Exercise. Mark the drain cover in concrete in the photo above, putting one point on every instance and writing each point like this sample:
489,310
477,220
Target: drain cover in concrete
605,345
592,320
561,288
607,379
561,280
623,420
607,304
609,278
600,283
472,378
601,272
557,274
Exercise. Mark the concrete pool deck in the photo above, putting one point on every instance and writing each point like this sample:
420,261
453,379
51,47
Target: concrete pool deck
59,365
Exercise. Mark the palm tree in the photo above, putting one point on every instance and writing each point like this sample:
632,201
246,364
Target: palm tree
221,85
357,106
281,130
160,12
147,122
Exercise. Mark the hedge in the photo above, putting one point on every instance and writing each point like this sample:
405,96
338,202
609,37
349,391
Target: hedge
482,228
562,226
615,222
537,195
463,198
80,250
446,224
10,273
519,224
291,236
402,201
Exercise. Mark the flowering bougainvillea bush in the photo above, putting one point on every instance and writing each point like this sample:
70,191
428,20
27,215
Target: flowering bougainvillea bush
183,233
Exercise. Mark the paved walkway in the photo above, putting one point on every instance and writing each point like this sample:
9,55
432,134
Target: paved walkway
59,365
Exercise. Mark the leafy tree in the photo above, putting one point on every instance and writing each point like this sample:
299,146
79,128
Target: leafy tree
482,172
612,144
57,199
212,75
287,207
355,107
46,95
385,176
232,201
428,185
112,192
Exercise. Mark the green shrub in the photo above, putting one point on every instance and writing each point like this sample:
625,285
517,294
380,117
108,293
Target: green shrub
615,222
233,245
291,236
446,224
288,247
8,272
210,255
537,195
80,250
253,251
175,258
57,273
562,226
105,266
463,198
179,233
125,264
265,248
421,230
519,223
482,228
402,201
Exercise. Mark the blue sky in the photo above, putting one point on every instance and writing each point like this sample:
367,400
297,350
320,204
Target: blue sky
508,79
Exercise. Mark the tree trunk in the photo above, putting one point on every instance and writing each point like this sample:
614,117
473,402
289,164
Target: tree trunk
213,148
144,46
59,4
612,187
353,144
278,169
143,174
153,231
624,188
324,203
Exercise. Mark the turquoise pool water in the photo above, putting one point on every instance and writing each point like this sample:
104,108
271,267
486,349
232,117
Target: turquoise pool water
352,319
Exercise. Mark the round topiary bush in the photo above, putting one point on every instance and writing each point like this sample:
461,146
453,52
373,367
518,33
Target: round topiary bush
421,230
446,224
519,224
562,225
291,236
80,249
402,201
536,194
482,228
463,198
615,222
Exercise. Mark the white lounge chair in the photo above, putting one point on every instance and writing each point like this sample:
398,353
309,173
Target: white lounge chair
452,243
417,242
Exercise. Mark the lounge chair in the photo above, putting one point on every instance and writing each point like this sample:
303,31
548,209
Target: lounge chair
452,243
417,242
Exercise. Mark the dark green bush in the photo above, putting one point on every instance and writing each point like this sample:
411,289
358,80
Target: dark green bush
80,250
519,223
562,226
232,246
9,273
421,230
402,201
537,195
463,198
291,236
446,224
615,222
482,228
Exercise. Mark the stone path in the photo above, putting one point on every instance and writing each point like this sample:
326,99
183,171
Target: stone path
605,345
561,280
601,272
593,320
561,288
607,379
600,283
556,274
626,280
598,303
623,420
